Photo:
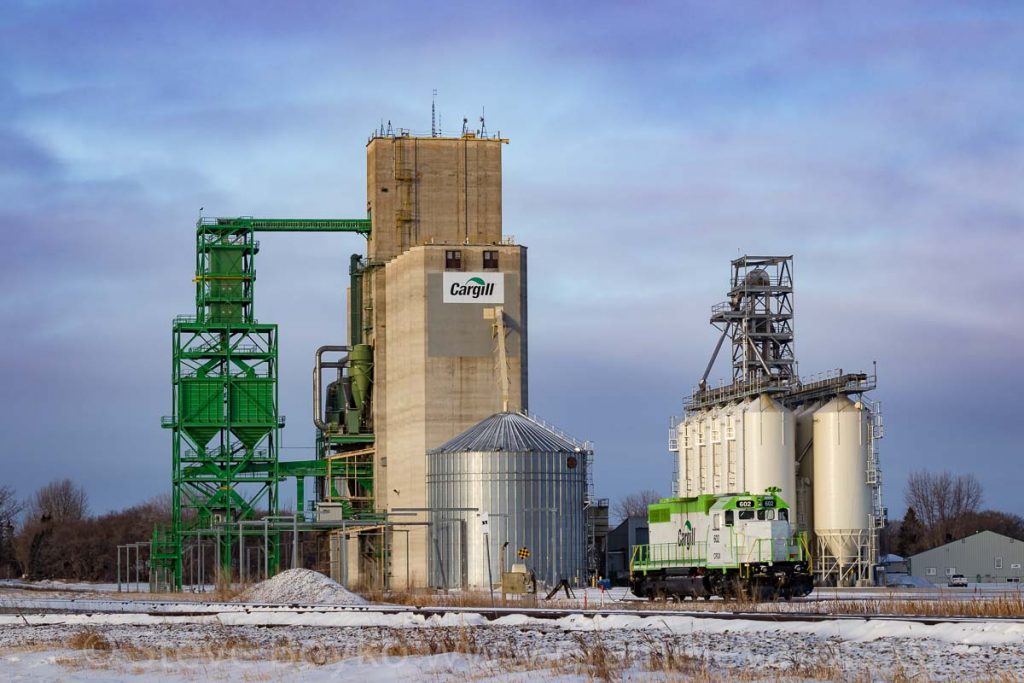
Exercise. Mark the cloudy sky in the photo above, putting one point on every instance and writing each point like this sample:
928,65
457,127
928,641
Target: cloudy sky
650,144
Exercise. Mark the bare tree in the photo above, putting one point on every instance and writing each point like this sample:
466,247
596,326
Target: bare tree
1005,523
10,506
634,504
58,501
943,503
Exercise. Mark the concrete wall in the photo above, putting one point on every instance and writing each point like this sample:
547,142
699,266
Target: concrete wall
440,375
976,557
432,190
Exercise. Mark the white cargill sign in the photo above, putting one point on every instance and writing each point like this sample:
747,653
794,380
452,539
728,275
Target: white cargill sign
474,288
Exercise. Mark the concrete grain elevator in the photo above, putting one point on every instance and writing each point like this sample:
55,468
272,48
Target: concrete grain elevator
444,358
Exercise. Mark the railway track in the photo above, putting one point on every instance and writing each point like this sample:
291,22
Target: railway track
27,610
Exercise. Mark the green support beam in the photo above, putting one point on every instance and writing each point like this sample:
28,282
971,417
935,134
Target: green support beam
357,225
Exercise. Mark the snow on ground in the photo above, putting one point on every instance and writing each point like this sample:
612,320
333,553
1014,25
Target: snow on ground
302,586
514,648
72,665
263,639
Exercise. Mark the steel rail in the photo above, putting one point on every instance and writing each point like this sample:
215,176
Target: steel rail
39,607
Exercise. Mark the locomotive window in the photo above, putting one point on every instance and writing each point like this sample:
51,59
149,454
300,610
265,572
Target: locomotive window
770,514
746,514
716,522
783,515
760,515
728,517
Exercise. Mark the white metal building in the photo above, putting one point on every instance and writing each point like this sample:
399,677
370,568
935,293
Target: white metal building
984,557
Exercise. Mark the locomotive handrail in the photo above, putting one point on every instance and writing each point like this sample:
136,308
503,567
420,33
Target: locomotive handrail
655,555
763,550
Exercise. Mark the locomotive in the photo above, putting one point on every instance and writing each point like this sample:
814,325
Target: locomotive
736,545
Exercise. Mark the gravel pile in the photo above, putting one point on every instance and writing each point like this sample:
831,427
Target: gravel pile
301,586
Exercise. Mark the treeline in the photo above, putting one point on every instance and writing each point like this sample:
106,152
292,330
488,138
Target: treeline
944,507
52,536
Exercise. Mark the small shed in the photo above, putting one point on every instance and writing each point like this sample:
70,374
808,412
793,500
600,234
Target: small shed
633,531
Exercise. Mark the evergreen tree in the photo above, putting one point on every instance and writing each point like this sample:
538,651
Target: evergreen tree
911,532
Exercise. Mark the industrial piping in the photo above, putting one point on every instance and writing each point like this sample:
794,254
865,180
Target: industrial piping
317,370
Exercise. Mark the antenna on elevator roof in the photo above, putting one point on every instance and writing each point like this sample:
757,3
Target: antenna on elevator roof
433,115
483,125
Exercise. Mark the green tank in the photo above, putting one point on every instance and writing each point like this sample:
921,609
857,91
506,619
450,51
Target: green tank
225,285
252,412
201,408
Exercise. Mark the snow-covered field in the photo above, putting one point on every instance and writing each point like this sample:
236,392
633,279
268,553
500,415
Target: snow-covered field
246,642
410,647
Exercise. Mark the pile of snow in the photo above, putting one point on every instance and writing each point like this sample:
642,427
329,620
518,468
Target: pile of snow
300,586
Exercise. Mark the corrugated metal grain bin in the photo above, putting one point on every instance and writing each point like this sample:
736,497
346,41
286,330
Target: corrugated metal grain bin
528,482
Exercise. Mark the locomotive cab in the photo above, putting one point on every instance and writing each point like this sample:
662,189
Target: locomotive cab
760,529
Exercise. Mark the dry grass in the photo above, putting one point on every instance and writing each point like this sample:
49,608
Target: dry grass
664,661
224,586
88,639
891,603
998,606
227,647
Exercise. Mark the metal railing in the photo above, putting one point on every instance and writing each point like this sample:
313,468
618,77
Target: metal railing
581,445
763,550
667,554
784,280
736,390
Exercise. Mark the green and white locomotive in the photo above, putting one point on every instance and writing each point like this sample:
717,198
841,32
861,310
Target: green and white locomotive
730,545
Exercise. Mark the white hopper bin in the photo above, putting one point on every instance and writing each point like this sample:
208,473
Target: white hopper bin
842,496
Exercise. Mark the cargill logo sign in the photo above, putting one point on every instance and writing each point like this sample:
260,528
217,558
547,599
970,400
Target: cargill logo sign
474,288
686,535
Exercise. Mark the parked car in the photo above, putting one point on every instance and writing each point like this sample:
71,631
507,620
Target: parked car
958,581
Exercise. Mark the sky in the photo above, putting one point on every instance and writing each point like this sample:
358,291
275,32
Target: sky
651,143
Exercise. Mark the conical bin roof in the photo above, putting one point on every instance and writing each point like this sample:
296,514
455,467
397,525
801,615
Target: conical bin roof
515,432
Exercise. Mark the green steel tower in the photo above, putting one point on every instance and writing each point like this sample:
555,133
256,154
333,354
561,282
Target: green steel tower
225,423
